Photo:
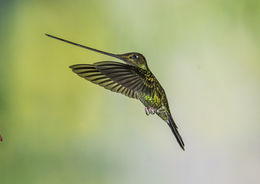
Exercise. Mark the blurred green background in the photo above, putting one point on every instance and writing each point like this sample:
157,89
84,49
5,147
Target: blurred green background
59,128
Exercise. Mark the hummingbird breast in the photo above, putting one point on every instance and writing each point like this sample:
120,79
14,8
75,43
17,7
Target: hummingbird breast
154,98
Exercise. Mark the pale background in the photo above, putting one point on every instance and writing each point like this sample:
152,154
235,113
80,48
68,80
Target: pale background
60,129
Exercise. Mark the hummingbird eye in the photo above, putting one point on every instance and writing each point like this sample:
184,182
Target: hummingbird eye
134,56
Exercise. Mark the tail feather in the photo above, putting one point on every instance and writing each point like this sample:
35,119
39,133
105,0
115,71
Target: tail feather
174,129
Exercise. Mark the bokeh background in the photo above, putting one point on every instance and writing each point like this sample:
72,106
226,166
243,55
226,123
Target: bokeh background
60,129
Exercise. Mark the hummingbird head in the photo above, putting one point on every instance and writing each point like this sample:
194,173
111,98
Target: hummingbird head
135,59
132,58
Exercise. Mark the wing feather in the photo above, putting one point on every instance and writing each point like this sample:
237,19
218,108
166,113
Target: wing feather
115,76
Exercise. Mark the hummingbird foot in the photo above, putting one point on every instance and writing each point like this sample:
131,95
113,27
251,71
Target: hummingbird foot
147,112
150,110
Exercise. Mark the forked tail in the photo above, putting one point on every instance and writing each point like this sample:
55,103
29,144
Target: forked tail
174,129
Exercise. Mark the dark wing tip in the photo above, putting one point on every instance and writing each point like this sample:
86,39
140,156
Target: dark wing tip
81,66
71,66
46,34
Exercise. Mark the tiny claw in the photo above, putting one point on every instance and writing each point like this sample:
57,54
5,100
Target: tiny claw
147,112
152,110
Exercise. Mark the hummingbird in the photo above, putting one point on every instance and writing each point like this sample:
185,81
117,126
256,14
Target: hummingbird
133,79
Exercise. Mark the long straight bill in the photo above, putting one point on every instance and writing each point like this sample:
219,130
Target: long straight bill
83,46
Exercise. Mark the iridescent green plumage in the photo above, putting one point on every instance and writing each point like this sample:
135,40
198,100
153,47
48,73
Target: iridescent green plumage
133,79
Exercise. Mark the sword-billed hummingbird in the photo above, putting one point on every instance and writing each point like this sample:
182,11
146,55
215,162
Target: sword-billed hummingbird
133,79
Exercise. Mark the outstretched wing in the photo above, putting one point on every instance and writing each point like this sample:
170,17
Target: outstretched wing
117,77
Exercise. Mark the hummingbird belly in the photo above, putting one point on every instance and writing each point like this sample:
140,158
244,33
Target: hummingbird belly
152,100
